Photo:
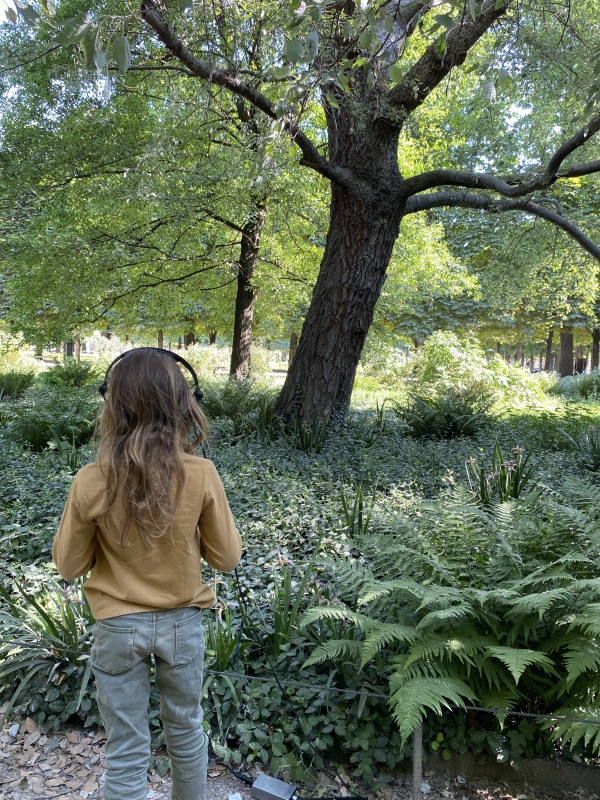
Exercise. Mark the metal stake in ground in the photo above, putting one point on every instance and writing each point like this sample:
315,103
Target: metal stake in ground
417,762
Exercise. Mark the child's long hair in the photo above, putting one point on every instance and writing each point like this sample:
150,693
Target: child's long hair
145,426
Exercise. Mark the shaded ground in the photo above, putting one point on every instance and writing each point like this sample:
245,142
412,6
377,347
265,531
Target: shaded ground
68,766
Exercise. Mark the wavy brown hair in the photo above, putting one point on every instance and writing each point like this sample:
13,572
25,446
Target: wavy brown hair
149,420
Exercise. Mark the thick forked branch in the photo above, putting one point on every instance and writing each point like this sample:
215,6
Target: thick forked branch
152,14
450,199
431,69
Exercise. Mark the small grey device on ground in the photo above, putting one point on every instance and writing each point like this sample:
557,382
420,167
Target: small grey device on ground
267,788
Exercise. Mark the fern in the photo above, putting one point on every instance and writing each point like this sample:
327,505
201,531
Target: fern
517,661
410,700
382,635
580,656
334,650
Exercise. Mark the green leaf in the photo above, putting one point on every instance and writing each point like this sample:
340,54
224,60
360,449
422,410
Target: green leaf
90,44
121,50
396,74
473,8
11,15
293,50
312,45
445,21
73,30
389,23
29,14
279,73
184,5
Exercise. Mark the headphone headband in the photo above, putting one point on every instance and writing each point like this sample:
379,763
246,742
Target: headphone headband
198,393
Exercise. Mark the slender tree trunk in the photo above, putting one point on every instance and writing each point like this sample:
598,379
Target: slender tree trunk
548,361
77,348
246,292
160,338
212,337
565,366
293,347
520,357
595,348
498,348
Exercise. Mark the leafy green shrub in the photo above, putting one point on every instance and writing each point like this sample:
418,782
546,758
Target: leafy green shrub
45,670
50,414
13,384
446,362
490,609
238,401
72,373
454,412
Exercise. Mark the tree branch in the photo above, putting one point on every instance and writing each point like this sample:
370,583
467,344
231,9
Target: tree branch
432,68
464,200
513,187
311,157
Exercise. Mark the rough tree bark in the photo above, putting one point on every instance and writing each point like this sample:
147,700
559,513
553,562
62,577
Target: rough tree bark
595,348
246,291
548,360
293,347
565,363
364,224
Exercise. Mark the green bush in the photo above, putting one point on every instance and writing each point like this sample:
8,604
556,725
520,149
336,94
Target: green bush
446,362
13,384
240,402
72,373
51,414
454,412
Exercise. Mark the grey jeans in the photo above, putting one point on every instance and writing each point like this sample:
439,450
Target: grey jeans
121,662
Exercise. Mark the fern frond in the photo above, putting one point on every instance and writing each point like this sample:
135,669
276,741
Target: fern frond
537,603
411,700
582,655
445,615
569,733
377,590
334,650
516,660
429,647
382,635
588,620
337,613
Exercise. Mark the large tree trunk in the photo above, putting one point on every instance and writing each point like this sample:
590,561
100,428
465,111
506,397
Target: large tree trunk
565,365
246,292
548,361
160,338
363,226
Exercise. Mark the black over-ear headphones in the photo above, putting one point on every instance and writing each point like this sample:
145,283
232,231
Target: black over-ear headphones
198,393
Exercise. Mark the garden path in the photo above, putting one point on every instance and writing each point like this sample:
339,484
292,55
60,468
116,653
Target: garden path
38,765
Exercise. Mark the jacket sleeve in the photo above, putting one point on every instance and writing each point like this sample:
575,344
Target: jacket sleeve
73,549
220,541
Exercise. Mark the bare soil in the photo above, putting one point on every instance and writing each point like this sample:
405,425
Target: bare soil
69,765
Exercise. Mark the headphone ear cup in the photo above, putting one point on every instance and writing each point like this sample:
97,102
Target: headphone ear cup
198,393
102,388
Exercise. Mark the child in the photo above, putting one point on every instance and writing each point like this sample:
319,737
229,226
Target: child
140,517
